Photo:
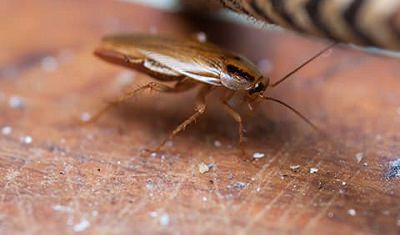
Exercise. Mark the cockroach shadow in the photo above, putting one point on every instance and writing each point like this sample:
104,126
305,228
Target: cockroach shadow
261,130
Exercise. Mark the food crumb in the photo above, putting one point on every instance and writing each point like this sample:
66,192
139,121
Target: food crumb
154,154
164,219
359,156
352,212
85,117
394,169
313,170
153,214
16,102
26,139
81,226
149,184
49,64
238,185
61,208
217,143
258,155
6,130
203,168
295,168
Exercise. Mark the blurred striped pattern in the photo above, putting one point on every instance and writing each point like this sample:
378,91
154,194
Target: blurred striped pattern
362,22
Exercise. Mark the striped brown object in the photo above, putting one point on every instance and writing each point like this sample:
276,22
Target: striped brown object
363,22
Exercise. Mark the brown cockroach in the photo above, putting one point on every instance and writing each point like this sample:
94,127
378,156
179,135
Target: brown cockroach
190,63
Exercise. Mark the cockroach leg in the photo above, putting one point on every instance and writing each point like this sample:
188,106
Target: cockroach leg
236,116
180,86
128,94
199,110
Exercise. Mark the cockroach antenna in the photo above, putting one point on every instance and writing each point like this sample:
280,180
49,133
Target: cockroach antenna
308,121
302,65
294,110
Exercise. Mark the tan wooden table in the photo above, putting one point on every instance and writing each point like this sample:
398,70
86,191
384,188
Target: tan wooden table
59,177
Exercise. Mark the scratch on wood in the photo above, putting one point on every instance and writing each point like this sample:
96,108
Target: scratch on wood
265,209
314,220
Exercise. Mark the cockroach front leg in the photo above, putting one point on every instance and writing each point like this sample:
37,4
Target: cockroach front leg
199,110
180,86
236,116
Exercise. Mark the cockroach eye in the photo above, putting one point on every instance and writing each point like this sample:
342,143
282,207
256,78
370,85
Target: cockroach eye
259,87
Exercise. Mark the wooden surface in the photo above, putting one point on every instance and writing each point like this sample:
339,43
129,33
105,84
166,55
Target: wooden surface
99,180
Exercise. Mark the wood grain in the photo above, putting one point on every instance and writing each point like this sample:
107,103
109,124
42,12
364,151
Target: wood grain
99,180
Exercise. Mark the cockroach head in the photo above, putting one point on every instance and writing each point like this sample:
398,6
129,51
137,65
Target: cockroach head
240,74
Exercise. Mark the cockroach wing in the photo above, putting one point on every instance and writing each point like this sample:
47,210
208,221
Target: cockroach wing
158,68
190,67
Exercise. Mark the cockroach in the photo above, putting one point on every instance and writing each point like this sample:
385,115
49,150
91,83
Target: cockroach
190,63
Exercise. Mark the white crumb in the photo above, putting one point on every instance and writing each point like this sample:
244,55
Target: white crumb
352,212
26,139
85,117
16,102
217,143
359,157
7,130
258,155
81,226
203,168
49,64
295,168
164,219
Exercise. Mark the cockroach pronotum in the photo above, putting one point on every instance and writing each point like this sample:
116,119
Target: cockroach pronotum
190,63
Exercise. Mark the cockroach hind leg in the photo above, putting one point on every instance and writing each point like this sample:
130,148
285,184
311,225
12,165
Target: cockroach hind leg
132,91
111,104
99,113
